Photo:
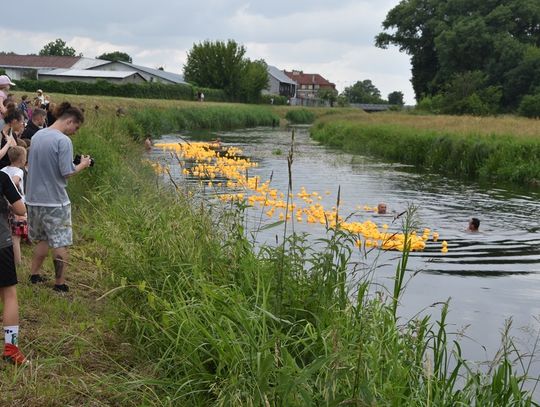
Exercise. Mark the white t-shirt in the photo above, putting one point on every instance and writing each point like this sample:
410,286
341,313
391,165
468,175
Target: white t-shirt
16,172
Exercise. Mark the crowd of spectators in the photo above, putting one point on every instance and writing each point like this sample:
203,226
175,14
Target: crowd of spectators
36,160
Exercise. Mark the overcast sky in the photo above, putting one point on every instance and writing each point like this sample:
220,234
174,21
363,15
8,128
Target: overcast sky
329,37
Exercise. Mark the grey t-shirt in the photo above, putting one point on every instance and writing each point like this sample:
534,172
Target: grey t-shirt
49,163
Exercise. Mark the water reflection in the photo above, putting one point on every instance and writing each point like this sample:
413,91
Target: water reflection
489,276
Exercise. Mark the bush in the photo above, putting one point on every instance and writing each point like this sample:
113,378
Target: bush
530,106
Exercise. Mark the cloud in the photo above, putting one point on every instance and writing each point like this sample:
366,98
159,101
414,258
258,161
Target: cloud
332,38
350,22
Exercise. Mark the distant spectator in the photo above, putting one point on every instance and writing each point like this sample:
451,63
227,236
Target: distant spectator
36,104
148,143
37,122
120,112
51,114
202,97
23,106
41,97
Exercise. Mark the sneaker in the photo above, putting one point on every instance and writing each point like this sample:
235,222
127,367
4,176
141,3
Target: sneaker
61,288
37,278
13,354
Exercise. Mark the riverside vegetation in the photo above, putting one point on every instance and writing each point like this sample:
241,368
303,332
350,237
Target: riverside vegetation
488,149
172,305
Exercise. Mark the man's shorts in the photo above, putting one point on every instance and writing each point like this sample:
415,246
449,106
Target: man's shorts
50,224
8,275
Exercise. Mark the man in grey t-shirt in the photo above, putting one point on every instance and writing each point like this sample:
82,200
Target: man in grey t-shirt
50,163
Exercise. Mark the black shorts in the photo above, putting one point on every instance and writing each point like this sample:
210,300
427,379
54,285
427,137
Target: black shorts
8,275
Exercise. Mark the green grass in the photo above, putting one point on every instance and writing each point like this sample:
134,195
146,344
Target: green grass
172,305
494,157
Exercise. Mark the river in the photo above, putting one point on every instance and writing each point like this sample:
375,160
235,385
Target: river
489,276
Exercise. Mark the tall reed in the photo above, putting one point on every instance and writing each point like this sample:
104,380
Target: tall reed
204,306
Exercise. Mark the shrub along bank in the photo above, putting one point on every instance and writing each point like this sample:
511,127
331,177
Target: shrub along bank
221,324
498,157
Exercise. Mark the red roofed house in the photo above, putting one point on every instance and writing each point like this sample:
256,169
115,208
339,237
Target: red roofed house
309,85
66,69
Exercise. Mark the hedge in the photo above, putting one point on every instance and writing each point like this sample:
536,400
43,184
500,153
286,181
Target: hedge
145,90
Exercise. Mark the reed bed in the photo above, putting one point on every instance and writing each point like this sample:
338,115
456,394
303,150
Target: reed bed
222,323
463,147
508,125
300,116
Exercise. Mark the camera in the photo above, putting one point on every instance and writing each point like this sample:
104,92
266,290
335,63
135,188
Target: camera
77,160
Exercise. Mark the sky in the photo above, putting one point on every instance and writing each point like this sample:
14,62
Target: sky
329,37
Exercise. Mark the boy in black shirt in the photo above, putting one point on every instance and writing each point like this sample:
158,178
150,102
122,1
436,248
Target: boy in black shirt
8,275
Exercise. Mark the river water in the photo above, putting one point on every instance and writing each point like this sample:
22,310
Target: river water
490,276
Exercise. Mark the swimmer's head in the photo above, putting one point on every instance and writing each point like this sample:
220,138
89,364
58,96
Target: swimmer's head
474,224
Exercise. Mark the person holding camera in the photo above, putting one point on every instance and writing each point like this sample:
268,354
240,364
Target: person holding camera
50,164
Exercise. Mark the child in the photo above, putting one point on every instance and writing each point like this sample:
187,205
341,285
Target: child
19,225
8,275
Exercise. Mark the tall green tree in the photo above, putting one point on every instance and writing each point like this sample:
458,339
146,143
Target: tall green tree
363,92
396,98
450,39
254,79
218,65
116,56
58,47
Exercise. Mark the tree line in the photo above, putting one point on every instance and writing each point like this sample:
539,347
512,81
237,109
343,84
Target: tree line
474,56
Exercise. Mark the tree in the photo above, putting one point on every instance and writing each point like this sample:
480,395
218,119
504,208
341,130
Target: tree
254,80
363,92
216,65
329,95
448,39
116,56
58,47
221,65
396,98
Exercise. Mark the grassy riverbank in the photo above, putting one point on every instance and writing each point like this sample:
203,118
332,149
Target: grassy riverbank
503,149
172,306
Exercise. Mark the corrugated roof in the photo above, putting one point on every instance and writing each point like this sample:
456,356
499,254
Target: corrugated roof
279,75
170,76
83,73
309,79
88,63
37,61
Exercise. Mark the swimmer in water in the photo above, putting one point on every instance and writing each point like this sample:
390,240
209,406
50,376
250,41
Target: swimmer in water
474,225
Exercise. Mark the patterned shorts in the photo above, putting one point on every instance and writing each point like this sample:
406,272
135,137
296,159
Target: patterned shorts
50,224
